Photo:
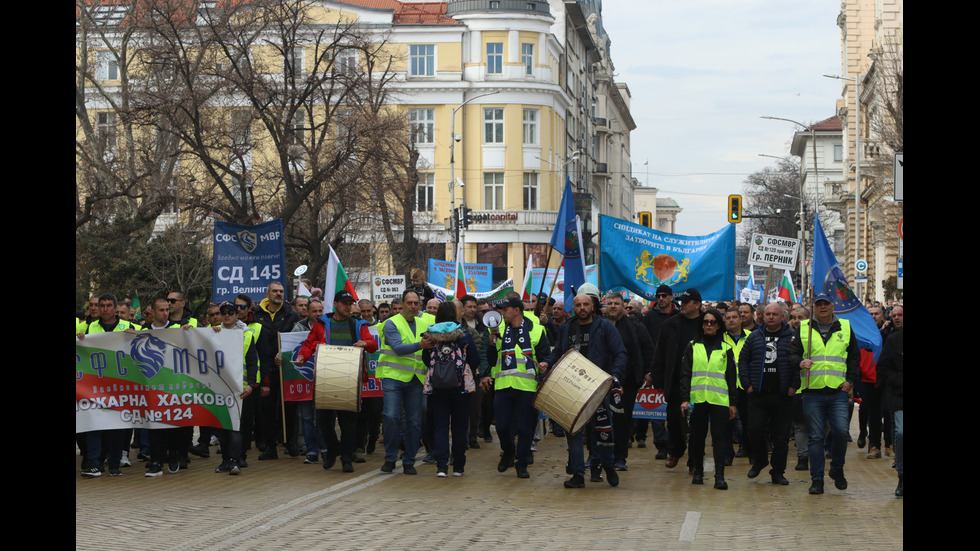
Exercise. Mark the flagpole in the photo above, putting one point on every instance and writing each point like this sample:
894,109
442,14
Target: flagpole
537,309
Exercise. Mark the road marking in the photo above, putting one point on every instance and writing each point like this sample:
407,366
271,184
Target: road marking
245,530
690,527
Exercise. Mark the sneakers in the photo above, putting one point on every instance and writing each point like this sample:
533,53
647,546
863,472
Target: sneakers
173,466
388,467
441,474
889,451
214,440
429,459
874,453
91,472
620,465
409,469
153,469
223,468
114,471
839,481
311,460
612,477
124,460
457,473
641,443
235,470
577,481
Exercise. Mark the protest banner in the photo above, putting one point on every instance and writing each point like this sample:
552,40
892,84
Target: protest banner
477,277
158,379
297,381
388,288
650,404
247,259
640,259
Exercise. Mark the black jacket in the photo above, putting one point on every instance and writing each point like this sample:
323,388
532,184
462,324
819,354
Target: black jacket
752,360
891,370
639,349
670,348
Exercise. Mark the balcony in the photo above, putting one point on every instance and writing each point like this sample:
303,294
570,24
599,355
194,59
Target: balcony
601,169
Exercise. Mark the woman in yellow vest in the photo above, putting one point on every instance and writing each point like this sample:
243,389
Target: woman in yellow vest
707,380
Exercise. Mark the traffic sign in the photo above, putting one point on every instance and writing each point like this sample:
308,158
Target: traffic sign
861,266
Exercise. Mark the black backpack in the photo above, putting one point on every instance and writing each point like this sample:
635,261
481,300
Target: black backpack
447,360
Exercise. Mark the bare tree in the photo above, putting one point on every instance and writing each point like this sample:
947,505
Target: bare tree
772,205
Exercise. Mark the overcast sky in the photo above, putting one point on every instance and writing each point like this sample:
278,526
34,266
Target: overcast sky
702,72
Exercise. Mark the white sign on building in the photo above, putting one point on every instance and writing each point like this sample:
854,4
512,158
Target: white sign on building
387,288
771,250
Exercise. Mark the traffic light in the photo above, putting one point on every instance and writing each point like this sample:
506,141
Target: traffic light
646,219
467,217
734,209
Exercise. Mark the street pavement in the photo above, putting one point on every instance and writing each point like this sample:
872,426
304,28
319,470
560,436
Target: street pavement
285,504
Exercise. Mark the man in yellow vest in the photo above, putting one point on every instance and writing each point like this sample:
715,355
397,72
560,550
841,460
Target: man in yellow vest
400,367
514,377
829,364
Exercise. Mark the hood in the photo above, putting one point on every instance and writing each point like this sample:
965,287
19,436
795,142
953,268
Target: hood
449,336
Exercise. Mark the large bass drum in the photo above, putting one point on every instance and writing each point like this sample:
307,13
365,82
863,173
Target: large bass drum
572,390
339,371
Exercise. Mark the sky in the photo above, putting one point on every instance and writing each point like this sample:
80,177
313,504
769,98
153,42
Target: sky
701,73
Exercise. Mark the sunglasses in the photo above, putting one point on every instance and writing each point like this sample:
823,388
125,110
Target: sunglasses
710,322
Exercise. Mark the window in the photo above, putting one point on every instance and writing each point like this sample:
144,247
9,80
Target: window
530,191
346,62
294,130
493,190
108,66
530,126
106,129
422,124
527,57
241,129
293,62
495,58
425,192
493,125
421,60
838,153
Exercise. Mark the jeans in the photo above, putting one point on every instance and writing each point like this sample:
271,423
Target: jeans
449,412
600,449
900,442
314,438
402,418
819,409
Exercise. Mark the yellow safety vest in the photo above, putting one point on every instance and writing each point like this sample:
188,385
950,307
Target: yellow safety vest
736,350
708,375
402,368
829,360
519,377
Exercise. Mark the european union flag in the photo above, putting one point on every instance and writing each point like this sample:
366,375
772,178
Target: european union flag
828,278
567,240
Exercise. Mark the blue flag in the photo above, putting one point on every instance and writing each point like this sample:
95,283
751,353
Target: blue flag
567,241
639,259
828,278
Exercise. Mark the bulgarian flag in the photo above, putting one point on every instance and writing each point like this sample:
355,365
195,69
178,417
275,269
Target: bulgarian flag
528,289
460,287
303,291
786,291
337,280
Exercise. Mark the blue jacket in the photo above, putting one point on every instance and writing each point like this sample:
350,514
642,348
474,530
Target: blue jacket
606,348
752,360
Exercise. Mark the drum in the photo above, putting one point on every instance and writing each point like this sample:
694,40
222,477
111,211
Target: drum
338,378
572,390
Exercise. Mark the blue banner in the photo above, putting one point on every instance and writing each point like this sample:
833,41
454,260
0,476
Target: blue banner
639,259
567,241
828,278
477,277
247,259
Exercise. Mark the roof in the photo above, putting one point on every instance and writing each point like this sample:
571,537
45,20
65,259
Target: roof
833,124
409,13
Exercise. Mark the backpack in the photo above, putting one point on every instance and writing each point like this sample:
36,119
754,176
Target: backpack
447,360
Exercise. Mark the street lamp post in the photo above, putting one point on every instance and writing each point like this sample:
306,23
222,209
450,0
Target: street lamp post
857,172
452,171
816,182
